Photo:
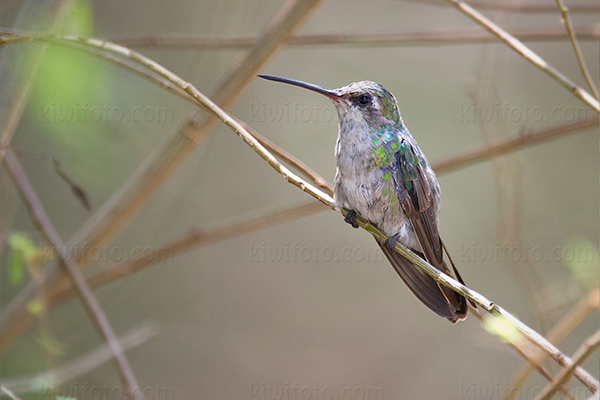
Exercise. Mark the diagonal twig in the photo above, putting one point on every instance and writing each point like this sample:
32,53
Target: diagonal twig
8,392
580,60
46,228
529,55
590,345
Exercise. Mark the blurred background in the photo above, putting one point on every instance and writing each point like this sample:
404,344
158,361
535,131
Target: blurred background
306,308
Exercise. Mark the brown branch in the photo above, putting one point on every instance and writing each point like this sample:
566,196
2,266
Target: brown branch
427,38
529,55
515,6
580,60
523,141
42,222
125,203
587,348
556,335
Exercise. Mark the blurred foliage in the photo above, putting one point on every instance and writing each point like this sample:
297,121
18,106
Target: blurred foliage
583,259
49,343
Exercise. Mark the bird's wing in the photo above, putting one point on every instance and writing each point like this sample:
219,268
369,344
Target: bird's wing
417,201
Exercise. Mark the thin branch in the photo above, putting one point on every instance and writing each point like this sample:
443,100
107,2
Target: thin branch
529,55
587,348
427,38
556,335
525,140
8,392
125,203
515,6
46,228
580,60
56,376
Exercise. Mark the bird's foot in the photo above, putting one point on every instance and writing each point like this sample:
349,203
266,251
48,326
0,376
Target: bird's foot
390,242
350,218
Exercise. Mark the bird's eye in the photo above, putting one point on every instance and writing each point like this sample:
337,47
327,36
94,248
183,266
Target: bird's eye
364,100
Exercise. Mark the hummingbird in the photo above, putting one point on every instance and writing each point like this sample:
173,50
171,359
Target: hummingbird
383,176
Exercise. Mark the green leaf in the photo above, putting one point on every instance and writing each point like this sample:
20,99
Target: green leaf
15,267
21,243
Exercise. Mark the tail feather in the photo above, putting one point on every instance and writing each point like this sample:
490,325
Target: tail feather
442,300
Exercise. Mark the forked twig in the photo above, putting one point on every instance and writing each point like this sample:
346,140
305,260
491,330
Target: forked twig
587,348
567,323
529,55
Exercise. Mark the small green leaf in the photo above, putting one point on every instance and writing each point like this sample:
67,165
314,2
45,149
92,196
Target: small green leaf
15,266
21,243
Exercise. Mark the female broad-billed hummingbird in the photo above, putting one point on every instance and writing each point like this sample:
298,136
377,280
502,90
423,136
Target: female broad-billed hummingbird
383,176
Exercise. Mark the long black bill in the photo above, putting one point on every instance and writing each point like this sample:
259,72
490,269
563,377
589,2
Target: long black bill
331,93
